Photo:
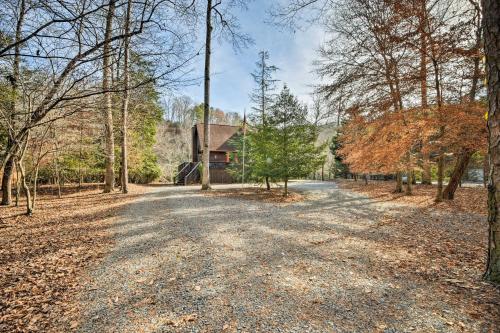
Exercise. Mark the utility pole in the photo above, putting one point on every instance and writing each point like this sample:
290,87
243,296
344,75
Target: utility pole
244,144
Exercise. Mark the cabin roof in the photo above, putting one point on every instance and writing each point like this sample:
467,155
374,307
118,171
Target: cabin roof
220,135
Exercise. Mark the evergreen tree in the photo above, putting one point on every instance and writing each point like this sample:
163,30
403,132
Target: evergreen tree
262,97
285,147
339,168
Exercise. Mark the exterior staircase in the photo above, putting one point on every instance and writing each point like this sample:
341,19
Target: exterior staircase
188,174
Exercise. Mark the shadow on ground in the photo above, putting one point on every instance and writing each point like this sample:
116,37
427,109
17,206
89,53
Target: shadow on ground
337,262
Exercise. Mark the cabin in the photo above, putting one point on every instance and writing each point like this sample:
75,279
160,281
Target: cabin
221,147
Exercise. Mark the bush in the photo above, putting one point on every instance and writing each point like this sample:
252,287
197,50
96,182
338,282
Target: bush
147,172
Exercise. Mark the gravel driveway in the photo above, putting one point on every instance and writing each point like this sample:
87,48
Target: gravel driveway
188,262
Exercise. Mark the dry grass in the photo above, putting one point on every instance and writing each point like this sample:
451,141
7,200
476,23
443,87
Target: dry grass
275,195
467,199
44,257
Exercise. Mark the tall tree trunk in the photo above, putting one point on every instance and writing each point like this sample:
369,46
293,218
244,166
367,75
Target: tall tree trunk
35,185
80,159
20,167
399,182
29,208
441,149
7,182
286,187
458,172
426,173
486,171
491,26
14,83
18,187
126,93
205,182
109,176
58,173
268,184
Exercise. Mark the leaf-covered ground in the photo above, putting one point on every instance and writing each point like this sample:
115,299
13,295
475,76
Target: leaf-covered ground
467,199
43,258
275,195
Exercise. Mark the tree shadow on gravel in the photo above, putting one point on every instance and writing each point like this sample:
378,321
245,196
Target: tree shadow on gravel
187,262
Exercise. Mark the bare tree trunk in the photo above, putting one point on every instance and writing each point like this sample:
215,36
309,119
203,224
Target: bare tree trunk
491,24
286,187
29,209
57,175
365,177
7,182
18,187
126,93
35,184
14,82
205,185
20,167
109,176
458,172
426,173
268,185
80,174
399,182
440,163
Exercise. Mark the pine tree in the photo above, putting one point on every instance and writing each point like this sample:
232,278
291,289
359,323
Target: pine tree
288,140
262,97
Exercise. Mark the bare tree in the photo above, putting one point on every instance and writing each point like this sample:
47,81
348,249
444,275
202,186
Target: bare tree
205,178
109,178
14,82
227,27
65,48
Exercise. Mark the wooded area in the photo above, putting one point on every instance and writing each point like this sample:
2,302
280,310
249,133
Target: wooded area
407,92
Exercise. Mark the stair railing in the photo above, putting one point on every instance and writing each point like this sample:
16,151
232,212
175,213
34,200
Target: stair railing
176,179
195,168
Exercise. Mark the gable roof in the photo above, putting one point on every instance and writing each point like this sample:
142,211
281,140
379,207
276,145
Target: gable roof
220,135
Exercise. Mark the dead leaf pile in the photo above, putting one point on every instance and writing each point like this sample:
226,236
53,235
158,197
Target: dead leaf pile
467,199
43,258
259,194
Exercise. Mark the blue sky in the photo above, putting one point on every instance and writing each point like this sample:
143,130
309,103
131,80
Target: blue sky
292,52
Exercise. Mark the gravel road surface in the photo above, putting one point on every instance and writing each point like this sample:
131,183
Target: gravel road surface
189,262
